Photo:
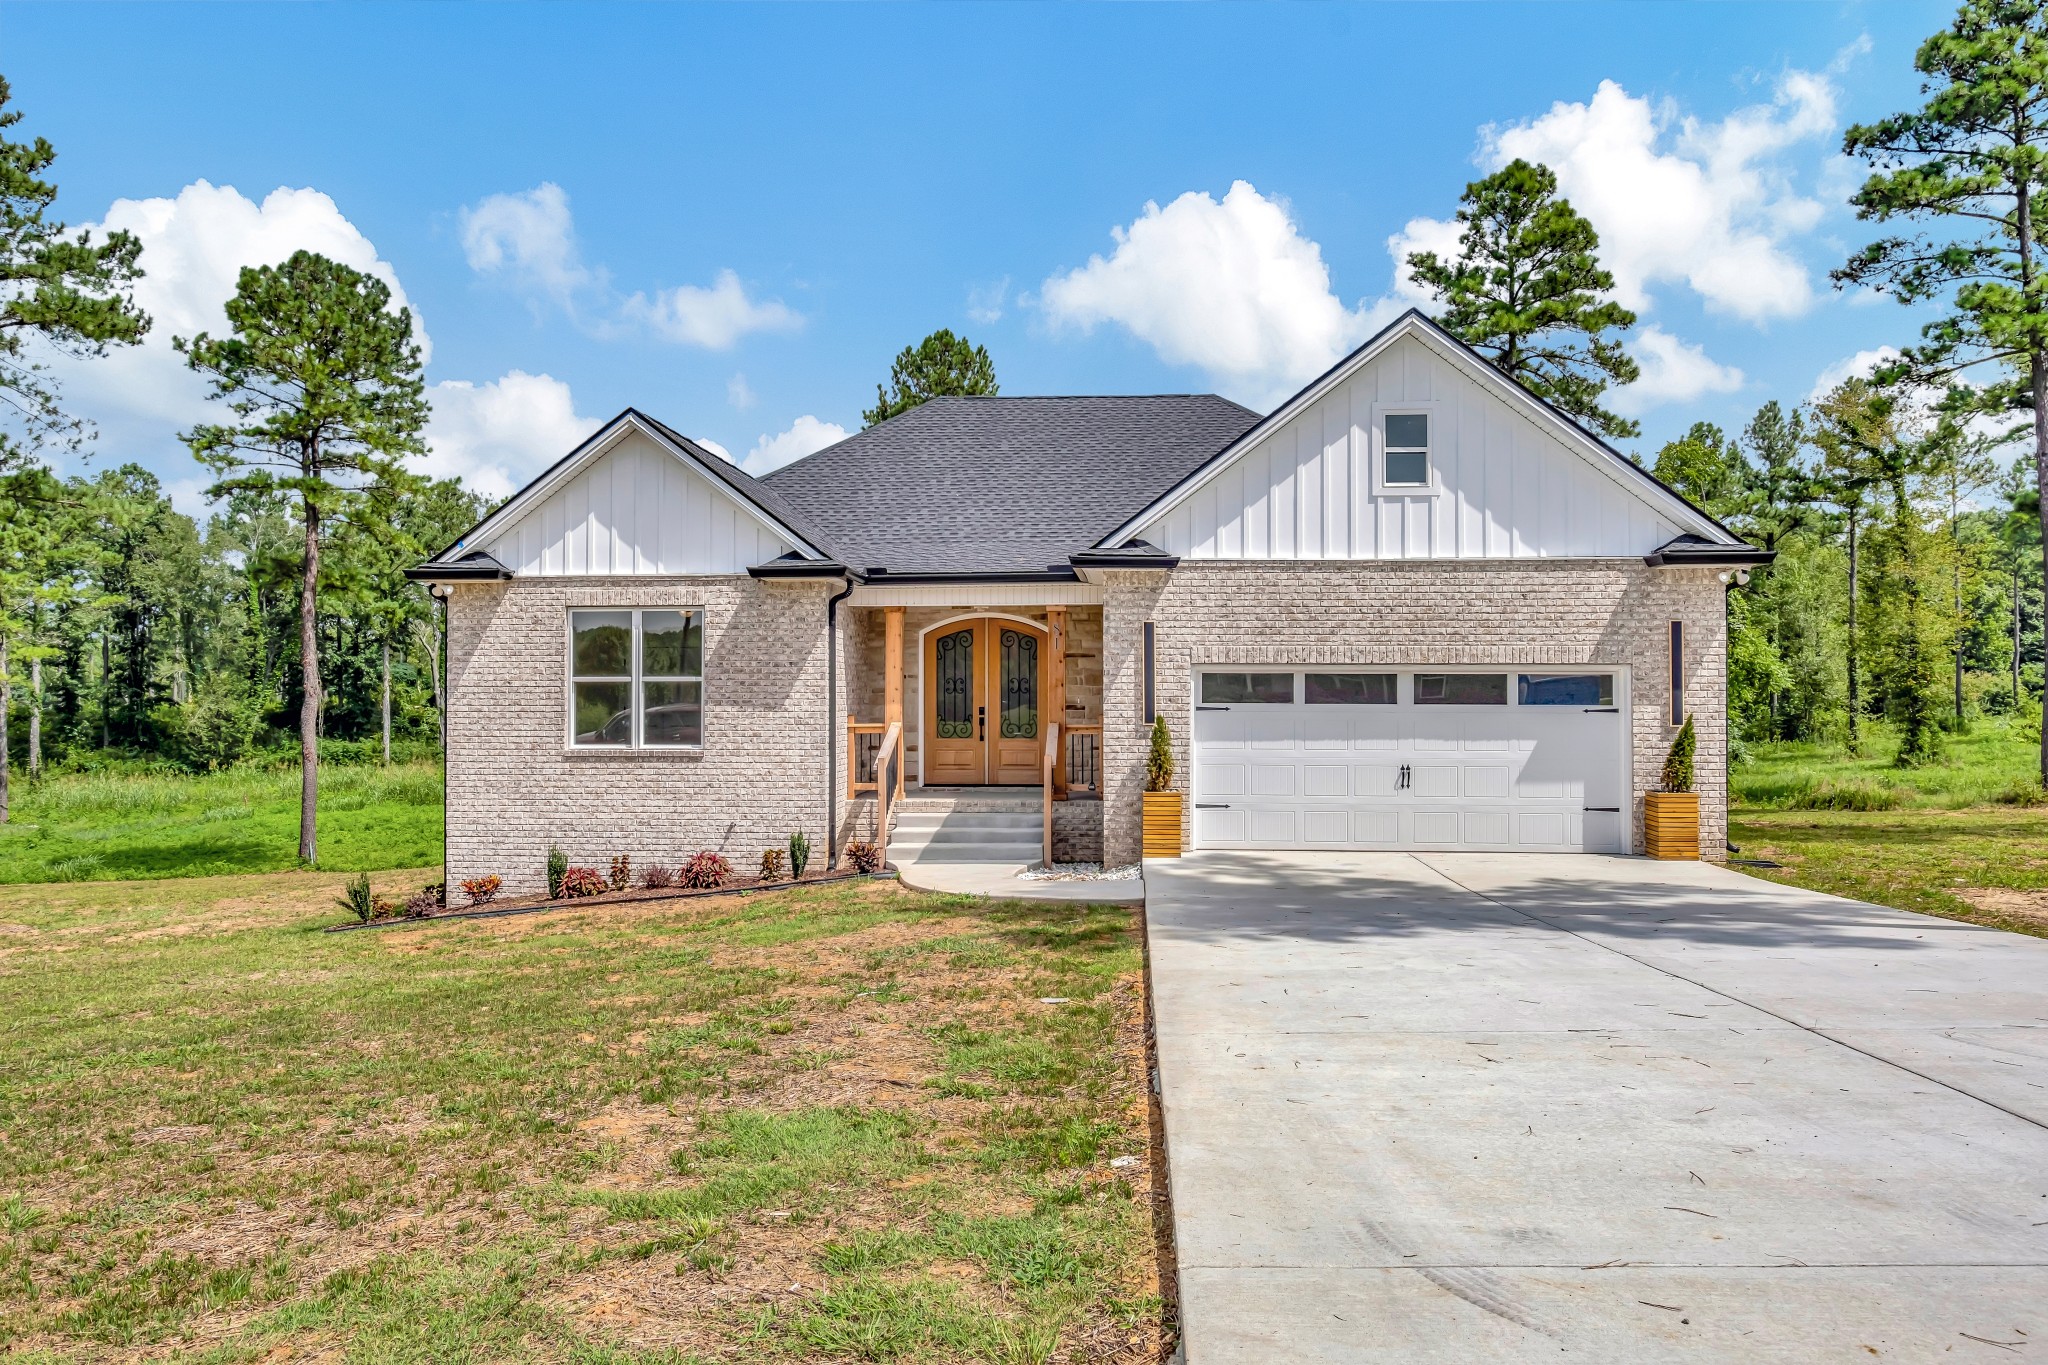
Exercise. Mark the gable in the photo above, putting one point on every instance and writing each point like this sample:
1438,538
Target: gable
1512,481
637,508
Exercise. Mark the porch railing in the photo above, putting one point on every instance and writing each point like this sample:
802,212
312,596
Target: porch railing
888,773
1084,760
1052,759
863,747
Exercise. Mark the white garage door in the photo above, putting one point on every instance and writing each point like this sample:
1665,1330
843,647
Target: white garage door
1457,758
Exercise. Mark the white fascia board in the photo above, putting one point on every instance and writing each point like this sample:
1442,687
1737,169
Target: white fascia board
1414,324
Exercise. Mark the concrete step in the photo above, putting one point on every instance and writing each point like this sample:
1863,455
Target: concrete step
966,819
1030,853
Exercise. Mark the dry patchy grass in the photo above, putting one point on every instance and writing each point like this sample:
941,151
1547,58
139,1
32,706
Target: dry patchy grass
822,1124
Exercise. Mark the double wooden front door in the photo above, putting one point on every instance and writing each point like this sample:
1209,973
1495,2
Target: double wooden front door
984,690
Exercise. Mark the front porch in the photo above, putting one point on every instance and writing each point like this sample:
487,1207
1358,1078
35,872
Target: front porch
965,702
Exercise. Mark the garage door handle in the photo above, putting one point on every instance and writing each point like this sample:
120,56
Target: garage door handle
1616,810
1212,708
1603,710
1212,805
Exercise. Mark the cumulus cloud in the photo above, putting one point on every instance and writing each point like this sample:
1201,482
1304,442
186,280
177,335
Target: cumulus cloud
739,392
194,248
1232,287
527,239
1861,365
985,301
1674,371
713,317
715,448
1679,200
497,436
1420,234
806,436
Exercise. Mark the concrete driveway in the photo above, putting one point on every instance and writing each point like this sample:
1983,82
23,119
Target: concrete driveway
1475,1107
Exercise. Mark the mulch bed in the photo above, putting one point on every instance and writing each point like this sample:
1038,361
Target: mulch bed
739,886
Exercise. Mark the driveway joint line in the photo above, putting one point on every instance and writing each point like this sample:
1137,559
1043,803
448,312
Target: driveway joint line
1761,1009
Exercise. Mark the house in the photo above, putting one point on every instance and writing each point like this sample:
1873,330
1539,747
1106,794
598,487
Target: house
1412,607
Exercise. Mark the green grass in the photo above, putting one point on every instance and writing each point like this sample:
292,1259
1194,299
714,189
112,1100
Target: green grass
1912,838
124,825
619,1134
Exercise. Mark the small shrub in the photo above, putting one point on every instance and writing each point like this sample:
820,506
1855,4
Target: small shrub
483,890
1159,760
1678,763
864,857
385,908
799,854
439,891
622,872
771,864
2023,793
423,903
704,871
654,876
582,881
357,899
558,867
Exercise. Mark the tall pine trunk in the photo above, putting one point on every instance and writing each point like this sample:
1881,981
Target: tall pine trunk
387,703
2038,375
35,717
6,706
2015,632
1855,738
309,705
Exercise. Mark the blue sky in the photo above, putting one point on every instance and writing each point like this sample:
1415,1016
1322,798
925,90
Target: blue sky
733,216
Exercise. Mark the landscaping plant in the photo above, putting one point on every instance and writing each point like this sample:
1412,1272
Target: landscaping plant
864,857
771,864
558,867
357,899
582,881
622,872
799,854
423,902
482,890
1159,761
655,876
1678,763
704,871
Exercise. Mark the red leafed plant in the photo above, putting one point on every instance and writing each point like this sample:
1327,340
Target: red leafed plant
622,872
655,876
482,890
704,871
583,881
862,857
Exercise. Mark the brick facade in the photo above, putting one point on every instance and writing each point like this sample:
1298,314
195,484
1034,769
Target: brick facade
1547,612
515,786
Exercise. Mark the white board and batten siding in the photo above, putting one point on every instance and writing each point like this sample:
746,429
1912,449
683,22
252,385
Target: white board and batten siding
1506,487
636,510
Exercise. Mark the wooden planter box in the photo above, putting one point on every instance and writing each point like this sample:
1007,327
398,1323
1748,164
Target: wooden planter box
1671,825
1162,824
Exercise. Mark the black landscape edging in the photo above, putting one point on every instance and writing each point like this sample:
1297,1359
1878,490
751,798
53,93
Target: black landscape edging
585,902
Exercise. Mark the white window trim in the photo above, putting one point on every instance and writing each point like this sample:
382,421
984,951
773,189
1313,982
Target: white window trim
634,696
1377,436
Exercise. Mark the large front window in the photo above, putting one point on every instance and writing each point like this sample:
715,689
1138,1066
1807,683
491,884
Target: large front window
636,679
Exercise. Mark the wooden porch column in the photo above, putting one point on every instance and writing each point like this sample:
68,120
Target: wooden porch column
892,677
1056,691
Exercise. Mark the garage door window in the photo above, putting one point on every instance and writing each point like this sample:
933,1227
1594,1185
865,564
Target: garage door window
1565,689
1228,689
1348,689
1461,689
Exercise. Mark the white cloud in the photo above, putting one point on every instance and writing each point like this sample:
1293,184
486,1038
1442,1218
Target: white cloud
715,448
497,436
1233,288
1420,234
985,301
1674,371
194,249
806,436
1679,200
1859,366
713,318
739,392
527,239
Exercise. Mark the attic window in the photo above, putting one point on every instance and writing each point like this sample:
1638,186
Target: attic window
1405,462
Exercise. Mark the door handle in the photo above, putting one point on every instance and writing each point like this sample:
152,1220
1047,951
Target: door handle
1407,776
1212,805
1613,810
981,722
1212,708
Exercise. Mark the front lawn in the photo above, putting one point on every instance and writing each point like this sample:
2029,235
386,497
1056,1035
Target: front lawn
845,1122
1937,839
123,824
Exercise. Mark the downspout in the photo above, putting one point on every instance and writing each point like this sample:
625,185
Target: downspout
832,724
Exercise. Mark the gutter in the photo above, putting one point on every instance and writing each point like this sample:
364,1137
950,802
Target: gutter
832,721
1709,557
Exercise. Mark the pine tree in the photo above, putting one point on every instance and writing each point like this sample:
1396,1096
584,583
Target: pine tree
1527,291
942,365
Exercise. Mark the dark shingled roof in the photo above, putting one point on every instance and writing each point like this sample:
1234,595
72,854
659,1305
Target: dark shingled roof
1002,485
